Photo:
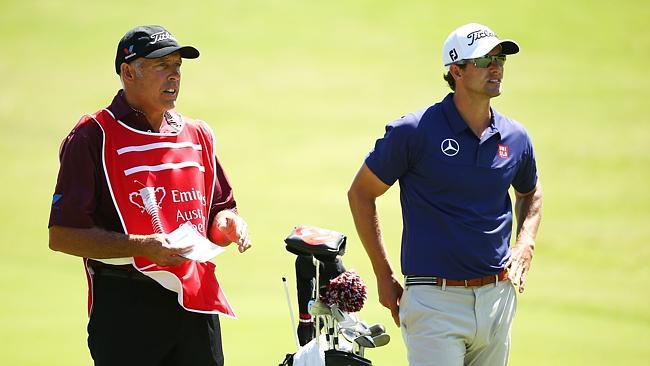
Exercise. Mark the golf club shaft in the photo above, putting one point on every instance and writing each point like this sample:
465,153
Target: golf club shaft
317,296
293,321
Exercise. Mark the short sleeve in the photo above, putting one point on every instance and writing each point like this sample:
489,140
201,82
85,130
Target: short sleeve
526,176
397,151
75,196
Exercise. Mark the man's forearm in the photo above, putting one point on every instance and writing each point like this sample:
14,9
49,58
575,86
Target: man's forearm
95,242
528,209
366,221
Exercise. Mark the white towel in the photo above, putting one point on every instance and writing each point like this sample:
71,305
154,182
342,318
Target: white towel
311,354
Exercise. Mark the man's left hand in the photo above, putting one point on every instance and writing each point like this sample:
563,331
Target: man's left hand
520,261
228,227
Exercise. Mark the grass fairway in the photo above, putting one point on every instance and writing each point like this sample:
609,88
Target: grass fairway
297,91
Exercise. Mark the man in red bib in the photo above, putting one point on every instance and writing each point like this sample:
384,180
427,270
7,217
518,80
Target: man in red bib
131,174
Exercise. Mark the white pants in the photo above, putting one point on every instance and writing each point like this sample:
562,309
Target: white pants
458,326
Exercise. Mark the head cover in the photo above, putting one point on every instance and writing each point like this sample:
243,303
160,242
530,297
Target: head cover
149,41
472,41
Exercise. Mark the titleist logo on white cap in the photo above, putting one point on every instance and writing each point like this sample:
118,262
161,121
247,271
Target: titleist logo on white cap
478,34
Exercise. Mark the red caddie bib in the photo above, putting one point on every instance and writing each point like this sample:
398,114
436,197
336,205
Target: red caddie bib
159,181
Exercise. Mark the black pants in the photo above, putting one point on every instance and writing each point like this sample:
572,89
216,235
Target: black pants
136,321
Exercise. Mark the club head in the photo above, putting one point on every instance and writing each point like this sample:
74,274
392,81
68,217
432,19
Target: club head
381,340
338,314
376,329
365,341
319,308
349,334
344,318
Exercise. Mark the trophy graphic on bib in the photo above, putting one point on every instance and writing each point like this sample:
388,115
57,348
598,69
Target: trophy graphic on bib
151,199
194,279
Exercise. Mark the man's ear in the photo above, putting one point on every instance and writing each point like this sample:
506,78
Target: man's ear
455,71
126,71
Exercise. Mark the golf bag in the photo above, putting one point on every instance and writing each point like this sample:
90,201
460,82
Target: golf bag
334,358
318,265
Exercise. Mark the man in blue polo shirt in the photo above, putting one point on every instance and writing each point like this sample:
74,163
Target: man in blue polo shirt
455,162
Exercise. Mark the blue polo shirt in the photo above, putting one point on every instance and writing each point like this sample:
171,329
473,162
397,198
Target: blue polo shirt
456,210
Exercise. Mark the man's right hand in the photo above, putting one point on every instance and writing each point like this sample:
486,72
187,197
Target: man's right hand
98,243
390,291
156,248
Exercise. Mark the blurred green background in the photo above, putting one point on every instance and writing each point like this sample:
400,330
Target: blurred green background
297,91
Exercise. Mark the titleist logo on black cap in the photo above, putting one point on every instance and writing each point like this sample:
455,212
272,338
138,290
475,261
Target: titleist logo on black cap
161,36
481,33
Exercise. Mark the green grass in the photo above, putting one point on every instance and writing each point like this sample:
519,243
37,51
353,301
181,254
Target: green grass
297,92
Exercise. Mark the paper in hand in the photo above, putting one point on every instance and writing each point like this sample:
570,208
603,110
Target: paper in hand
203,249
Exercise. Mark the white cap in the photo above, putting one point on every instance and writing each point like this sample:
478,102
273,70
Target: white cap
472,41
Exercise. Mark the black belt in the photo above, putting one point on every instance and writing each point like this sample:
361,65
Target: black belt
121,273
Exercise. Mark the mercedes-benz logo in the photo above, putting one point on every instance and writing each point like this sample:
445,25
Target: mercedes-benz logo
449,147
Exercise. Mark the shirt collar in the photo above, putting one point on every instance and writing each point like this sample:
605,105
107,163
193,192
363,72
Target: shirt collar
127,114
458,124
137,120
498,122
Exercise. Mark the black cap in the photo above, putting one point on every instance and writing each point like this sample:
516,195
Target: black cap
149,41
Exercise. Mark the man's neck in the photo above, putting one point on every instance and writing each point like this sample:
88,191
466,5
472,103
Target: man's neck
155,118
475,111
